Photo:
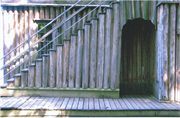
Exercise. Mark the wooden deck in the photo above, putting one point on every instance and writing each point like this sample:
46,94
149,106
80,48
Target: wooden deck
59,106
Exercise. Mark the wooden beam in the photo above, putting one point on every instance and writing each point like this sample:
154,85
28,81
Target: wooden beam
52,68
93,53
178,19
79,57
31,75
177,90
45,71
72,62
85,71
38,76
172,39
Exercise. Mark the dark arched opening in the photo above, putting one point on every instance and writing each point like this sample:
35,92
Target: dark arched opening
137,57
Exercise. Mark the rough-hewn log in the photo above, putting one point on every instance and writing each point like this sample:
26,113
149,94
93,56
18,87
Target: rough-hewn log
172,51
107,48
93,52
41,12
31,75
68,24
137,9
79,57
45,71
24,78
85,75
159,48
59,62
31,15
17,80
178,19
52,68
38,77
65,62
72,61
145,9
74,28
165,50
153,17
100,60
122,14
177,68
115,48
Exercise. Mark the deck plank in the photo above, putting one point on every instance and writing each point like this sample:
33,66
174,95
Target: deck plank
14,101
31,103
147,102
8,102
80,105
52,105
141,102
107,105
43,103
123,105
118,106
75,104
91,104
70,103
96,104
26,103
37,103
22,101
64,104
134,105
46,106
86,107
127,103
5,100
101,104
59,103
112,104
139,105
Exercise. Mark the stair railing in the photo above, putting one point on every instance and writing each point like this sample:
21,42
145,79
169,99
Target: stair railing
56,36
39,31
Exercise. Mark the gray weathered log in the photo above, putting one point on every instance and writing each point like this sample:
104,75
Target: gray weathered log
137,9
153,17
38,77
65,62
165,50
85,75
178,19
31,75
107,48
72,61
100,60
172,51
24,78
45,71
52,68
17,80
145,9
122,14
177,68
114,64
79,57
93,52
59,62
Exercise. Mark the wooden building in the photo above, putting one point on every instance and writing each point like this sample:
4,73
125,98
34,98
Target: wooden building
119,48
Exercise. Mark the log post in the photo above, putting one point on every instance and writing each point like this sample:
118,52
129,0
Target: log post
38,77
24,78
172,36
59,62
52,68
94,28
79,57
17,80
85,75
72,61
45,71
31,75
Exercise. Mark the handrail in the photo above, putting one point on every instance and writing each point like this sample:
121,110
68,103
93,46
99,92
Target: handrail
40,29
49,32
54,39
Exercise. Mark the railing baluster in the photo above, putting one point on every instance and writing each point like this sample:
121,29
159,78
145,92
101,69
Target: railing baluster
29,49
65,22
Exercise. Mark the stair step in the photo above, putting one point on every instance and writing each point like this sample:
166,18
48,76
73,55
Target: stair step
10,82
17,81
38,60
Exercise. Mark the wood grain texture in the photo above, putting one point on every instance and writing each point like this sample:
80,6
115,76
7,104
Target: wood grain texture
31,76
59,66
52,68
45,71
38,76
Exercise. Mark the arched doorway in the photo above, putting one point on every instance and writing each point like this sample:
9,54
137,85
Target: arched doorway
137,57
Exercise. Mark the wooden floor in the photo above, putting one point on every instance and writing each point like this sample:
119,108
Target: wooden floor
59,106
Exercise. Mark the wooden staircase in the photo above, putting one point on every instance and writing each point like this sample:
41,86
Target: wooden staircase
81,64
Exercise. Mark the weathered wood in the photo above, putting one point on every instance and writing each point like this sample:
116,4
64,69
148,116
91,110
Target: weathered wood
145,9
43,103
159,38
52,68
86,106
48,103
72,61
114,59
153,13
64,104
178,19
101,43
68,24
79,57
96,104
37,103
45,70
75,104
70,103
31,75
59,62
85,74
59,103
137,9
172,51
80,104
52,105
107,49
91,104
165,50
65,63
93,53
38,76
107,105
74,19
17,80
177,68
24,78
